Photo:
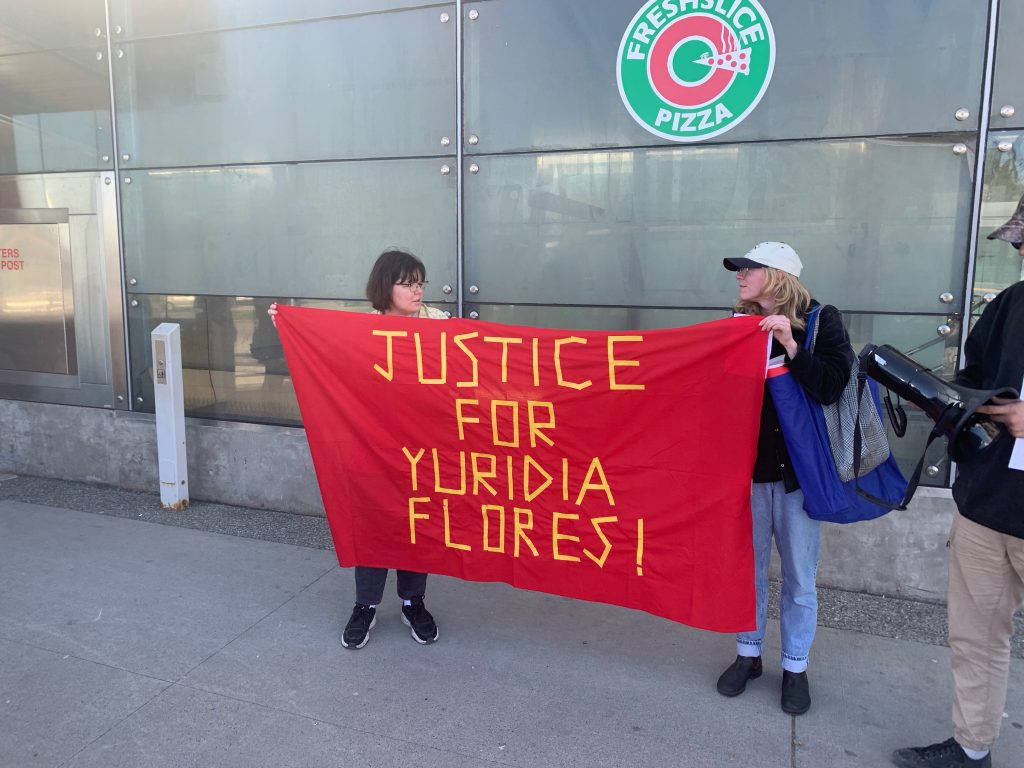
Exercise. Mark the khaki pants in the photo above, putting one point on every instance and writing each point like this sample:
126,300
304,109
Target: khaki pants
986,585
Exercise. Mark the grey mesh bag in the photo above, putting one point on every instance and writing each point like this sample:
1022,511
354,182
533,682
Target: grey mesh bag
842,417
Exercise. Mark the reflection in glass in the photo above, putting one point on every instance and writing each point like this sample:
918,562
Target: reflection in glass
55,109
286,230
233,365
153,19
998,265
322,90
47,24
879,223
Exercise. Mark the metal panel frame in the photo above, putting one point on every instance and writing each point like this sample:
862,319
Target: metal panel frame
81,194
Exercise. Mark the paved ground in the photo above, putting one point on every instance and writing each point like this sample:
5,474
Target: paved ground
135,637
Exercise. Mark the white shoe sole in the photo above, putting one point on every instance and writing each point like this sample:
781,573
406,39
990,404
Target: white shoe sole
416,637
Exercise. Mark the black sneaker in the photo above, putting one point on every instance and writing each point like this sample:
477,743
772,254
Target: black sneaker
733,681
419,620
796,693
357,631
948,754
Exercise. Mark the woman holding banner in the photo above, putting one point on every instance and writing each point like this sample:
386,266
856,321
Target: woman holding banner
769,286
395,287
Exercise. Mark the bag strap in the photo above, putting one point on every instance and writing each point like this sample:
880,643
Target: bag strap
862,383
940,428
812,328
915,478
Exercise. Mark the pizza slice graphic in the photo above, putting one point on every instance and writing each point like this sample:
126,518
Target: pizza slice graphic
735,61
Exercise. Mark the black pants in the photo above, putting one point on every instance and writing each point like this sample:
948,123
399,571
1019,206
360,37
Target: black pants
370,584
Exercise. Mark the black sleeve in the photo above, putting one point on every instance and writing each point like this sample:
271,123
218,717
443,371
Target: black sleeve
824,374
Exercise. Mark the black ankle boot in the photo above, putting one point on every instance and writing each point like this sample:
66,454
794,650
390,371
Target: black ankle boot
796,693
734,680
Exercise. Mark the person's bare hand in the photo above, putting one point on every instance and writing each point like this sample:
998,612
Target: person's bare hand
273,313
780,327
1009,413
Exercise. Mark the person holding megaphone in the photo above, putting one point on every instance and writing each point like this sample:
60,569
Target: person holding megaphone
986,543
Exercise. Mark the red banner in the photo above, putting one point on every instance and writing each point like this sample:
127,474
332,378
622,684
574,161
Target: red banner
607,466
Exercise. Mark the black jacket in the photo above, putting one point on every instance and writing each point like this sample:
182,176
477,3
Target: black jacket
823,375
986,490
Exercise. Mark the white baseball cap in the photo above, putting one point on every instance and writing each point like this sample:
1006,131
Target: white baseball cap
770,254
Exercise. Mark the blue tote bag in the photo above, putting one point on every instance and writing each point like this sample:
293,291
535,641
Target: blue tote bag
826,496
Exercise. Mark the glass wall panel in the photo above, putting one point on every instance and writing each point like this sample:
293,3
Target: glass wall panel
45,24
997,264
1008,88
55,109
233,366
593,318
313,91
285,230
841,69
880,223
150,19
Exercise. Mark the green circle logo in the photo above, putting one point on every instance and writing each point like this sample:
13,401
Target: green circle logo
692,69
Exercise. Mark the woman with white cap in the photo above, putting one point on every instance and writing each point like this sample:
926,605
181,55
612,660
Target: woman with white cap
769,286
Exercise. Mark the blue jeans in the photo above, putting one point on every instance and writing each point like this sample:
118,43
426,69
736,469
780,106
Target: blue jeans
798,539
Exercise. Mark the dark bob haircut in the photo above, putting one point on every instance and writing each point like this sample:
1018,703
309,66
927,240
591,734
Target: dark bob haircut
392,266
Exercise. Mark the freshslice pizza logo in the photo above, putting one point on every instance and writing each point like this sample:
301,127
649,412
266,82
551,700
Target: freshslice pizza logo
692,69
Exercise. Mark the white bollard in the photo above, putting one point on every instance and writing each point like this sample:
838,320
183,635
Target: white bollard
169,396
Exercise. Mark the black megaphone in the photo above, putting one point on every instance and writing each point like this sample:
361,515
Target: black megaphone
952,407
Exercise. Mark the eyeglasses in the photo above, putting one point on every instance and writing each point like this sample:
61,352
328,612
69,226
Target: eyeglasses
746,271
414,286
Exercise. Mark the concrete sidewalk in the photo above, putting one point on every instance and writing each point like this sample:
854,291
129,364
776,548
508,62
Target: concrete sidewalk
130,643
